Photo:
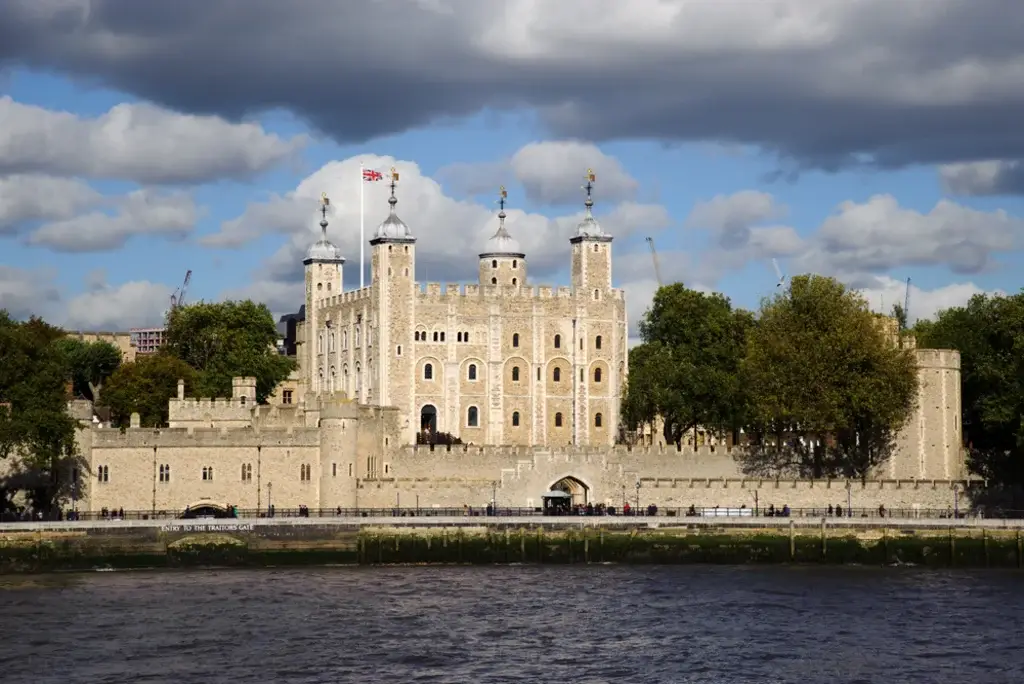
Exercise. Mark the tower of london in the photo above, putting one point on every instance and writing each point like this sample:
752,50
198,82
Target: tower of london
501,361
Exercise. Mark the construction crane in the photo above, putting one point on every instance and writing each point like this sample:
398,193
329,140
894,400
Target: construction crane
778,274
654,257
178,298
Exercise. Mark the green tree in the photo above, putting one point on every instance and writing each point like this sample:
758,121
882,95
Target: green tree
36,430
89,364
829,388
224,340
686,371
144,387
989,334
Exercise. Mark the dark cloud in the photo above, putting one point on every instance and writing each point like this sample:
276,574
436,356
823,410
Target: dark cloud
822,83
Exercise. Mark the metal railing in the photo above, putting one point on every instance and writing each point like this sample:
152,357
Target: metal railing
503,511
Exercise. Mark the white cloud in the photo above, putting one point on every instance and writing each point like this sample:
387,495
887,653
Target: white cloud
879,234
138,142
133,304
25,198
143,212
450,232
730,218
553,172
924,304
25,293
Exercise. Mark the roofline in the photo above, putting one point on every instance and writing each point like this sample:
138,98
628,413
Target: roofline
508,255
395,240
590,238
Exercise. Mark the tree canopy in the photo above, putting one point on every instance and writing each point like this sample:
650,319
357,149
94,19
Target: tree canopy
223,340
829,389
144,387
687,370
35,425
89,365
989,333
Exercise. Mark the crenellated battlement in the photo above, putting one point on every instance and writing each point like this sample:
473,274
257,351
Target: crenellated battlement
148,438
938,359
437,291
349,297
614,452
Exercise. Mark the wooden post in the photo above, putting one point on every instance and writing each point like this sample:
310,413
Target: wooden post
824,542
792,540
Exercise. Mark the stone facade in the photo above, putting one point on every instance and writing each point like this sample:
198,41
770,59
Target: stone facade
499,362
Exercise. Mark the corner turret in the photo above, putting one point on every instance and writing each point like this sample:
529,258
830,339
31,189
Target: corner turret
591,249
502,262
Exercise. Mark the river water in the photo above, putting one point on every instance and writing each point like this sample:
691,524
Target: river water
557,625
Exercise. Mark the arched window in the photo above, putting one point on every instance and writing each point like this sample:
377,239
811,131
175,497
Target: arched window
556,375
344,379
331,342
435,336
597,248
344,339
515,263
515,339
428,371
494,263
465,337
320,344
458,337
558,341
473,417
515,373
416,336
515,419
494,281
358,337
515,281
319,381
558,420
334,374
597,375
597,294
597,420
597,342
359,378
472,371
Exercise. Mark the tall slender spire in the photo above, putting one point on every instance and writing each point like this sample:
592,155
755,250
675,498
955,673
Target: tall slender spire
589,226
393,227
501,243
323,249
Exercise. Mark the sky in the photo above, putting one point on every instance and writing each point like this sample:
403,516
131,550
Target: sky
869,140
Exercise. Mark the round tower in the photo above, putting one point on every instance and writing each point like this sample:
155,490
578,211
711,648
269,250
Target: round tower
502,263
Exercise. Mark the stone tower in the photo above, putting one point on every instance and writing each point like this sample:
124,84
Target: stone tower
393,264
591,268
323,264
502,262
591,251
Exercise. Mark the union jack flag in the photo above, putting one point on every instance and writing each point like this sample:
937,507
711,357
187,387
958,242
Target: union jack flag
369,175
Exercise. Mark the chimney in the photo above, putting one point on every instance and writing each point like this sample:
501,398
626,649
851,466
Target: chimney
181,389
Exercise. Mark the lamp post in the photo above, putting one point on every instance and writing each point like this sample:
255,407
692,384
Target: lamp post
755,503
849,499
270,507
494,497
638,497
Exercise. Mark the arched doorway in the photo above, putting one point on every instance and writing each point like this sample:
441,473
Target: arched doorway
573,487
205,509
428,419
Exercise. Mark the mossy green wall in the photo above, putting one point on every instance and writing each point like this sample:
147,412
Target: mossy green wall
269,545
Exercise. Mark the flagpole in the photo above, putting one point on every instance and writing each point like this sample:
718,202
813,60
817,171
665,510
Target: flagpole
362,230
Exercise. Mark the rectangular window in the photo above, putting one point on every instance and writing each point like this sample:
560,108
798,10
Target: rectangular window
103,473
165,473
334,470
351,467
208,473
387,468
286,397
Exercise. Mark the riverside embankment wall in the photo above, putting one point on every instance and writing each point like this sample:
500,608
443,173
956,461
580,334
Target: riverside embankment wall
83,546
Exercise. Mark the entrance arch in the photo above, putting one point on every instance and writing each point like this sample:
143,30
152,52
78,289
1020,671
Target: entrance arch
428,419
575,488
205,509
